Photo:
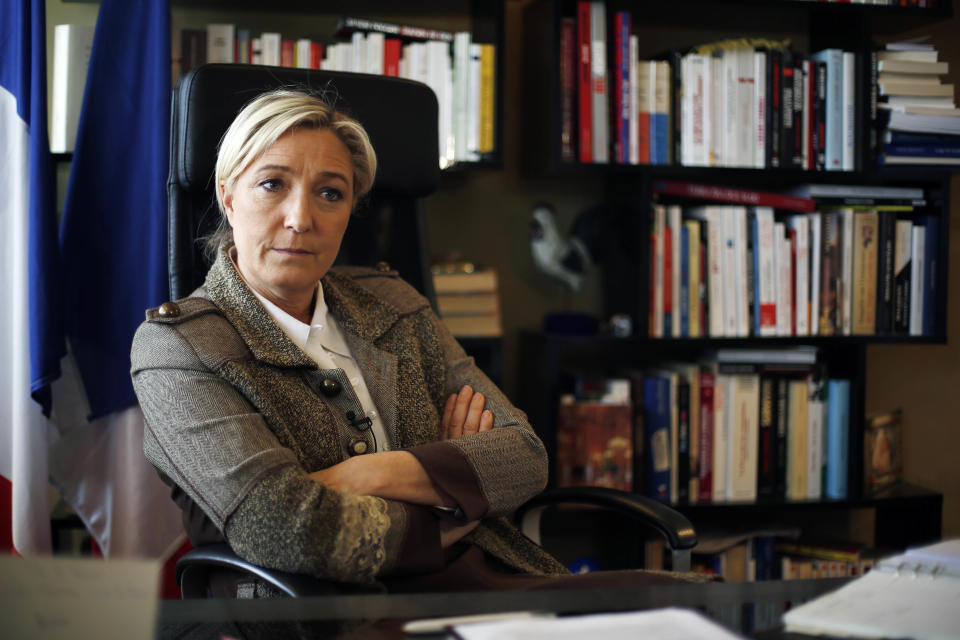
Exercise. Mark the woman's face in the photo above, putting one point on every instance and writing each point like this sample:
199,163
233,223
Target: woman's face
289,211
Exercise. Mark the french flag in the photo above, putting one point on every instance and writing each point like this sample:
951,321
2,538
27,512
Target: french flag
31,339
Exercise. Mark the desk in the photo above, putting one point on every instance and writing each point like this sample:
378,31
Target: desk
381,616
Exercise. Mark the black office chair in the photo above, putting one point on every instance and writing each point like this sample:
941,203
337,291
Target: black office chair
401,119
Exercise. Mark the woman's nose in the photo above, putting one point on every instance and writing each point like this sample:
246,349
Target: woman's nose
298,218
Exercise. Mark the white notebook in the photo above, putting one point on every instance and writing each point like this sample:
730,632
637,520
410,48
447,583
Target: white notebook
912,595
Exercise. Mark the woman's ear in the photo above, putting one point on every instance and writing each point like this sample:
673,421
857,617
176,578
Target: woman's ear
227,199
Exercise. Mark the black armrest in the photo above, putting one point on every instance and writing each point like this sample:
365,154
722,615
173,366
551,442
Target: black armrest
194,567
673,525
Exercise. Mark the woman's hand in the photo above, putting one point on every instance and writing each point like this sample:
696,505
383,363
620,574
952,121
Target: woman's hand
464,414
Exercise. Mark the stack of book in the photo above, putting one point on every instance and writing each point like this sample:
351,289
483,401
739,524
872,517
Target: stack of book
821,260
460,72
922,119
468,301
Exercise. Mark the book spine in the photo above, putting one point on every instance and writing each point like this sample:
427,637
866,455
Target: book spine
672,84
736,196
706,436
744,432
829,274
584,74
816,416
761,126
488,65
781,415
621,88
646,80
766,458
834,129
820,119
773,115
599,84
930,279
813,291
849,151
917,278
799,91
942,151
838,436
886,235
633,103
765,273
865,250
903,249
568,58
786,110
684,284
657,425
683,442
845,289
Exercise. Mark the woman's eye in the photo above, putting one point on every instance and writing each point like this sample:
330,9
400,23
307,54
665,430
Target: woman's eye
271,184
330,194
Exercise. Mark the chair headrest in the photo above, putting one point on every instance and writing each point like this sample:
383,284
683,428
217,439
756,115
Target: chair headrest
400,117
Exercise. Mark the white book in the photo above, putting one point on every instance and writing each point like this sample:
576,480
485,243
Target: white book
373,57
815,261
721,439
765,272
694,115
746,118
918,260
72,44
741,283
904,66
673,220
256,50
729,99
907,56
900,102
220,42
760,109
848,156
744,433
302,53
461,93
729,267
270,48
473,101
714,104
598,66
816,419
438,77
845,293
784,285
799,227
634,128
416,55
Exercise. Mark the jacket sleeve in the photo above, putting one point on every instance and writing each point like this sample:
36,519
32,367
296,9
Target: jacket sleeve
507,465
204,435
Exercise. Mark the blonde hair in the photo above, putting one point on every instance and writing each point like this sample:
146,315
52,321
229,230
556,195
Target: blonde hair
268,117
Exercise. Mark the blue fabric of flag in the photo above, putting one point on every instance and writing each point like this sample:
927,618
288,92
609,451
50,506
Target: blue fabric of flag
113,234
23,72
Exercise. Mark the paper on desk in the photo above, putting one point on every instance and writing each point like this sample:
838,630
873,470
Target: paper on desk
71,598
671,623
895,600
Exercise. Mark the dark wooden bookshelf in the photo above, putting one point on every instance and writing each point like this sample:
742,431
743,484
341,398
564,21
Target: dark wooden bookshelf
547,363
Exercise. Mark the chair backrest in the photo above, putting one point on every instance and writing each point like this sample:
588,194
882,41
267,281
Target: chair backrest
399,115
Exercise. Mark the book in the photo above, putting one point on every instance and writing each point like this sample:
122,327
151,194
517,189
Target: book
193,49
834,131
585,81
747,197
657,410
461,282
851,111
797,439
657,234
917,274
912,88
816,432
705,473
72,44
907,595
837,439
798,230
924,123
451,304
595,444
865,261
348,25
599,82
767,424
220,43
645,104
830,274
765,273
845,288
819,192
477,325
488,124
931,278
621,87
663,136
902,267
886,235
568,91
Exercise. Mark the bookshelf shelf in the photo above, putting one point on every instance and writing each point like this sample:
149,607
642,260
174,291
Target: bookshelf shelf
550,364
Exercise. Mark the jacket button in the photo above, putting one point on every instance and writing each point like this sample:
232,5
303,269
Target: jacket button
169,310
383,266
330,387
358,447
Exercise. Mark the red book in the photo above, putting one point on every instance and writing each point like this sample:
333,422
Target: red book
737,196
706,436
584,85
316,55
668,281
391,57
286,53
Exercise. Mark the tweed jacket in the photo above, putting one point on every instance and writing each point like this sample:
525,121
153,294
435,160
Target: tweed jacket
237,416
